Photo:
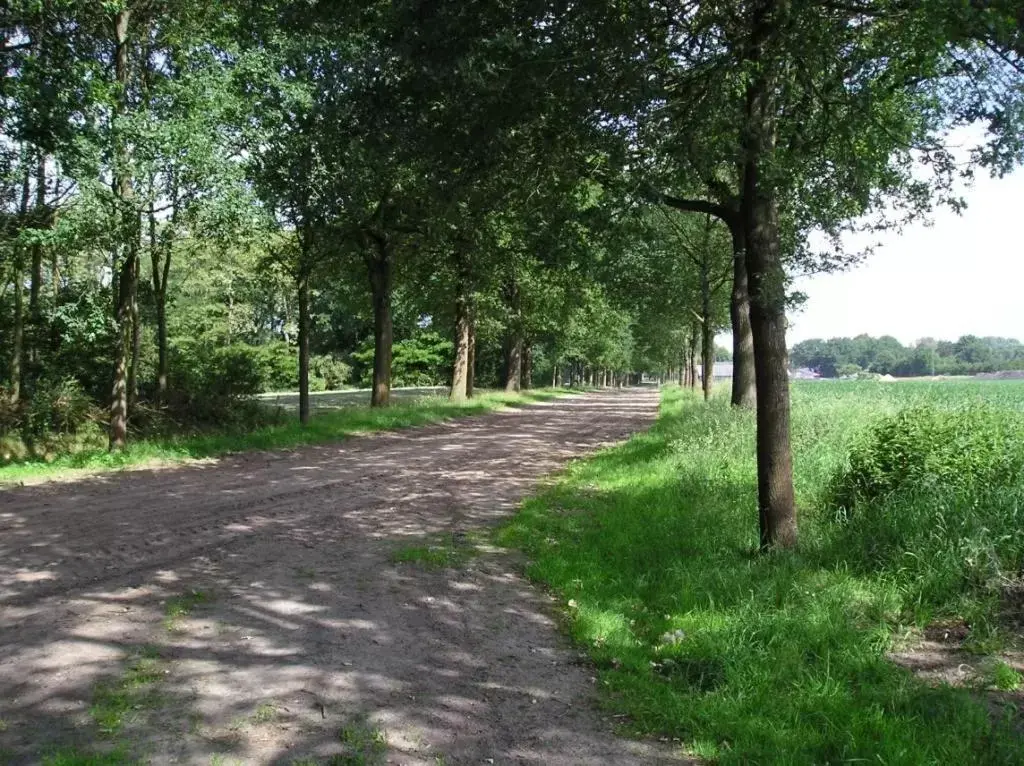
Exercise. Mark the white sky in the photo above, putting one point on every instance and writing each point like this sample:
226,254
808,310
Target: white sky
962,275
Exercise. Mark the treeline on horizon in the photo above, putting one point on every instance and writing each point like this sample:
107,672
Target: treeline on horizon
885,355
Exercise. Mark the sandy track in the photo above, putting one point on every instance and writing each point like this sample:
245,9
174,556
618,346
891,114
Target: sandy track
308,619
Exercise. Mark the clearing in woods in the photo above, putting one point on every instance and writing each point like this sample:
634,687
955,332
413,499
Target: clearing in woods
302,607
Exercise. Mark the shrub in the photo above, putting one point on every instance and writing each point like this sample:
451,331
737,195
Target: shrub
934,498
217,388
59,406
959,450
327,373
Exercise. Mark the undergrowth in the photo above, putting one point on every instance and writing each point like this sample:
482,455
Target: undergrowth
324,427
779,658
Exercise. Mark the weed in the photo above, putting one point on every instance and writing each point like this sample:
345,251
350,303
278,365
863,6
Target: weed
265,713
117,702
73,757
179,607
780,658
365,745
450,552
1003,677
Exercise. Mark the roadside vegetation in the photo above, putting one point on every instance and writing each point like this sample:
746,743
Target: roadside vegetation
911,498
273,431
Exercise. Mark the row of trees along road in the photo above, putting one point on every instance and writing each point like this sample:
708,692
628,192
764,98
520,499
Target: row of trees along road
586,186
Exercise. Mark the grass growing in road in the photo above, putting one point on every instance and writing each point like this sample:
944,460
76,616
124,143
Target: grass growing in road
178,607
116,702
324,427
782,658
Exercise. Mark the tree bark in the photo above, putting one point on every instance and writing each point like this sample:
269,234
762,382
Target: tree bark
707,356
460,364
691,356
526,374
513,367
776,502
471,358
743,382
383,333
513,361
127,269
161,267
133,366
35,290
302,285
707,335
18,334
744,391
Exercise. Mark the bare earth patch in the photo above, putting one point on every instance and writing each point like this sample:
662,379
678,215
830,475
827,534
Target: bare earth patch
272,589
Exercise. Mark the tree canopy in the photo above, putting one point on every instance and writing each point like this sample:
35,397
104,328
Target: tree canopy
200,201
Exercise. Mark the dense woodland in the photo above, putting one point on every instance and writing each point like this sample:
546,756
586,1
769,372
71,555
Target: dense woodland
203,200
968,355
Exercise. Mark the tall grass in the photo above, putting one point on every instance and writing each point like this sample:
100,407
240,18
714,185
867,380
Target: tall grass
781,658
324,427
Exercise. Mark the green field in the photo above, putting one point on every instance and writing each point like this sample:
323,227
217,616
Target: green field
911,498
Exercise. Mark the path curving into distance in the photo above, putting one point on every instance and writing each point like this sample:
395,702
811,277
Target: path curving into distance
304,624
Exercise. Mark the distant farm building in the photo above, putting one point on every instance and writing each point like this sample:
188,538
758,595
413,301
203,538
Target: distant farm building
720,371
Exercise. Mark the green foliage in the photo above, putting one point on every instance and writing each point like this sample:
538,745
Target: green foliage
749,658
71,757
327,373
1003,677
934,492
887,356
325,427
422,360
961,452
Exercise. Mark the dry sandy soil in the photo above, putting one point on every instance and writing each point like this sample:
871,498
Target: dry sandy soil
307,626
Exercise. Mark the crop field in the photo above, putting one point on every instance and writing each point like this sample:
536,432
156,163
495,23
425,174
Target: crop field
890,636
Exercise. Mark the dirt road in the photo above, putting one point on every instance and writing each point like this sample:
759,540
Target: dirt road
306,637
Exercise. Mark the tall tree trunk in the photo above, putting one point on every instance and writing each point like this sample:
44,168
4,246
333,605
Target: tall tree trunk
554,376
160,260
526,375
383,335
513,367
133,367
707,356
18,333
691,356
302,285
682,371
35,290
707,335
513,361
460,363
776,502
127,268
471,358
744,392
18,339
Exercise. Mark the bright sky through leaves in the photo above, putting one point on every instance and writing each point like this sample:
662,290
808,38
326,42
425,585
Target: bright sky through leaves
959,276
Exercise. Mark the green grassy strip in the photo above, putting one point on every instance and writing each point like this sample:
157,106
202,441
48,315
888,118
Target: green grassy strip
747,658
324,427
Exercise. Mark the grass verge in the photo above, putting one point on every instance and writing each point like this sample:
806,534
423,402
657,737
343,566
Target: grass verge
778,659
324,427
